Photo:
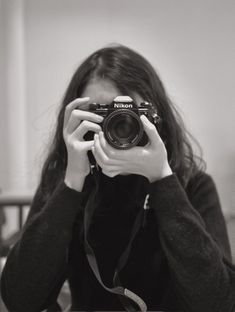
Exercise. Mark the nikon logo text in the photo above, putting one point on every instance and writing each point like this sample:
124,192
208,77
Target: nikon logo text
121,105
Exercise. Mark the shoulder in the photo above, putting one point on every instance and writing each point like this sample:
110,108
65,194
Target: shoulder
203,194
200,182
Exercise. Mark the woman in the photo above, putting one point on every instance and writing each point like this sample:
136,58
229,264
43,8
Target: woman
145,222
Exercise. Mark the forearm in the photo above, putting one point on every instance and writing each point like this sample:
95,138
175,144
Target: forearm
36,266
203,279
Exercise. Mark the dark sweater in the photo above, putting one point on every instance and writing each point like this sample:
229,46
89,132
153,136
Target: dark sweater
180,259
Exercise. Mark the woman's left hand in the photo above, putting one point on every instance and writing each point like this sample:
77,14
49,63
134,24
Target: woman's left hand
149,161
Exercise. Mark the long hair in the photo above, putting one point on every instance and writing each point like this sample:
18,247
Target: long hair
130,73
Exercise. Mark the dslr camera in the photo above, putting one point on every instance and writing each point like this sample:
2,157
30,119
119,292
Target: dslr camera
122,126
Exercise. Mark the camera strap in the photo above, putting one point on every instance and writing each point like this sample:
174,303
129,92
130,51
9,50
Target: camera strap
126,296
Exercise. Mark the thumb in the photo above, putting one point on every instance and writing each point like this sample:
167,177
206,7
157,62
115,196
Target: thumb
87,145
151,131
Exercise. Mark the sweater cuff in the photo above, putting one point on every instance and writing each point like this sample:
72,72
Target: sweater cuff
166,196
164,183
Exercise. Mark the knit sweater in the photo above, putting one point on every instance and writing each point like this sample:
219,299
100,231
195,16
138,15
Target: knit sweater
180,258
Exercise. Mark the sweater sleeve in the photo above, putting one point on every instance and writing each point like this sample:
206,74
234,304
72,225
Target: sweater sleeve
194,238
36,266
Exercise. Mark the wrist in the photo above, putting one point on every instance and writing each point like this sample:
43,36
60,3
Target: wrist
165,172
75,182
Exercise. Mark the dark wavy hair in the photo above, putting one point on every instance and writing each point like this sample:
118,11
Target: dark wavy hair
130,73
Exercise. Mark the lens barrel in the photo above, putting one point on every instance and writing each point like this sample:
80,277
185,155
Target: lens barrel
123,129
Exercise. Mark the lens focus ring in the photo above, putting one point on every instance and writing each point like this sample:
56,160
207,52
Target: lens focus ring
123,129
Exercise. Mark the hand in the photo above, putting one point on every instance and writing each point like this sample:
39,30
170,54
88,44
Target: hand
149,161
77,123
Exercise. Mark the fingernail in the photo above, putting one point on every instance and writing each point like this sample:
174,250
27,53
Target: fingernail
99,118
144,118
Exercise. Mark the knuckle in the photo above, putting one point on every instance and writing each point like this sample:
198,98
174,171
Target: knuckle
108,173
106,161
85,123
73,144
68,140
97,128
74,113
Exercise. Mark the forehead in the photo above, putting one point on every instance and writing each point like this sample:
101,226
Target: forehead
104,91
100,91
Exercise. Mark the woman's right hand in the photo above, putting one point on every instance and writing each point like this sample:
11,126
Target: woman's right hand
77,123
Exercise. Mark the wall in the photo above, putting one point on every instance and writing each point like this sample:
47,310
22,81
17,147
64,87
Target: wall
189,42
3,162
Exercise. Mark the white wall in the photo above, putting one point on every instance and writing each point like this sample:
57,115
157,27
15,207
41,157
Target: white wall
191,43
3,141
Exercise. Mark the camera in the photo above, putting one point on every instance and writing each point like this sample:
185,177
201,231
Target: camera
122,126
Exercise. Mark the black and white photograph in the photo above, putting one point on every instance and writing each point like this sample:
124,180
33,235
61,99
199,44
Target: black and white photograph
117,155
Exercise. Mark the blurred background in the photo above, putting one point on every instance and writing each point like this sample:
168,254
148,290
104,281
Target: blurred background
190,43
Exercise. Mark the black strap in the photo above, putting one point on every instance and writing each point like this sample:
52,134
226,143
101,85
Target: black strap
126,296
121,263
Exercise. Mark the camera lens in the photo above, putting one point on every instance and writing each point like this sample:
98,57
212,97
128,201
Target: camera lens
123,129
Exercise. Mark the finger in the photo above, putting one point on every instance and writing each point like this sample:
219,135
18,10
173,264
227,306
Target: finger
111,173
105,167
77,116
151,131
71,106
120,156
101,155
85,146
110,151
84,127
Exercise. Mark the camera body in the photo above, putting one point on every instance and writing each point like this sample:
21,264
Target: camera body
122,126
